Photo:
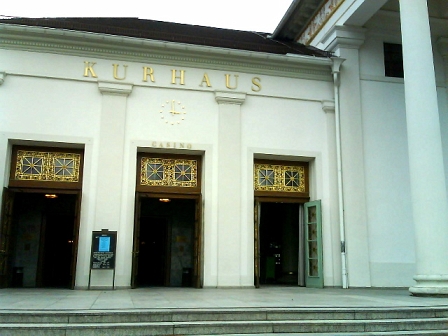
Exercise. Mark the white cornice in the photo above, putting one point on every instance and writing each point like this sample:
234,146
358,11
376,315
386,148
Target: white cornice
224,97
344,37
67,42
115,89
328,106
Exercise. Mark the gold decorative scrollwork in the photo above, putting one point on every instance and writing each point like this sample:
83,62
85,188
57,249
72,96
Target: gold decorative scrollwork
47,166
269,177
168,172
322,16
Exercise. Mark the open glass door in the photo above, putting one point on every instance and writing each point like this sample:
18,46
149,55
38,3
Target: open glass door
257,209
5,235
313,237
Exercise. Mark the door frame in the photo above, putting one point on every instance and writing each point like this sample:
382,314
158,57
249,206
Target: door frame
6,219
198,234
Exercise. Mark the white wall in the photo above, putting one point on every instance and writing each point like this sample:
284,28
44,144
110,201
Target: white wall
46,98
391,248
391,230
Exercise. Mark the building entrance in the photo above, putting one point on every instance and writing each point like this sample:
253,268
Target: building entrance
40,240
288,243
281,244
166,242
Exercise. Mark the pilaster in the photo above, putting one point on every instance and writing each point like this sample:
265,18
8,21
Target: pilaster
332,265
110,154
229,187
109,175
345,43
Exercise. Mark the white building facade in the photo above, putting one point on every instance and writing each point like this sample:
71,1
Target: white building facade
211,166
129,108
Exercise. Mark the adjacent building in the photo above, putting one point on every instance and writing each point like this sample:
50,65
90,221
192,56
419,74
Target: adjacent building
393,107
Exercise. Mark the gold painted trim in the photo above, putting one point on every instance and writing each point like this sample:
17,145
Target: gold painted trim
269,177
168,172
302,38
47,166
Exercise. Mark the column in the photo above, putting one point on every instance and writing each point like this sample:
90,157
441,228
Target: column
229,187
428,186
443,50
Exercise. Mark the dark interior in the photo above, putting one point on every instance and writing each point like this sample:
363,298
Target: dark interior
166,242
279,243
42,240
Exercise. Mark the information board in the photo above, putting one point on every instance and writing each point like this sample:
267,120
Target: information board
103,249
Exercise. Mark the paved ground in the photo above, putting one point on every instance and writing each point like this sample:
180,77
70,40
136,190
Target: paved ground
158,298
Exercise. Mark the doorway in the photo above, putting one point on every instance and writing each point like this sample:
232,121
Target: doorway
42,241
281,244
288,243
153,251
166,242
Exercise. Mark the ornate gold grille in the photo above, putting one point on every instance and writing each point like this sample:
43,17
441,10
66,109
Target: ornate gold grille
47,166
168,172
270,177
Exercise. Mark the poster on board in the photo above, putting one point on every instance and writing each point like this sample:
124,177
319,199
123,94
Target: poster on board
103,249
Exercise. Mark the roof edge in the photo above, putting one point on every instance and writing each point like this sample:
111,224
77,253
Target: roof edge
52,40
296,19
286,17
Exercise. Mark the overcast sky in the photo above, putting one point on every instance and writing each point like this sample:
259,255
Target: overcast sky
251,15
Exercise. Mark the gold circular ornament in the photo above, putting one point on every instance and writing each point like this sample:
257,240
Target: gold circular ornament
172,112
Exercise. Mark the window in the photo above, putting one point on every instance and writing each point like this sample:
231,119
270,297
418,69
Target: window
393,60
154,172
279,177
47,166
266,177
168,172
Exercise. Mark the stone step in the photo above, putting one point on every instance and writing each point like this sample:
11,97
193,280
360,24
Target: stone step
393,333
191,315
408,326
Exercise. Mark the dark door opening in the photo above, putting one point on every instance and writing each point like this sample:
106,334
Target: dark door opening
281,246
42,240
164,242
153,251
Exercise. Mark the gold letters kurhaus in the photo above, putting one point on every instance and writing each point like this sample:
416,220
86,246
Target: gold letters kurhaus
178,77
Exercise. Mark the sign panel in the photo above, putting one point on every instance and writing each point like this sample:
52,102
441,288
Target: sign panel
103,249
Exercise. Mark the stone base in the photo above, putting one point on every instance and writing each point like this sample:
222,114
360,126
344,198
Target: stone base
430,285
